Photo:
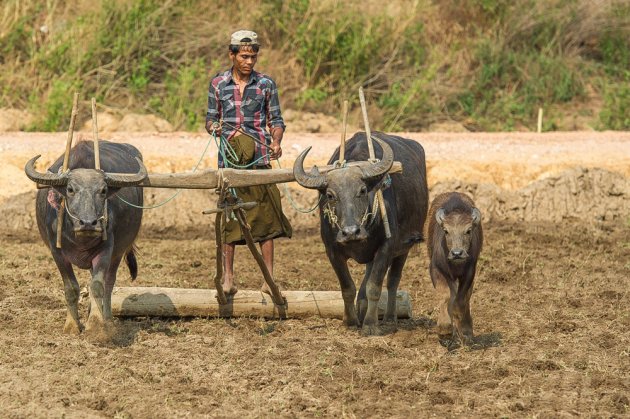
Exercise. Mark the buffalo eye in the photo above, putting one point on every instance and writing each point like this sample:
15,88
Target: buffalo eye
363,190
330,195
103,190
445,232
70,189
468,231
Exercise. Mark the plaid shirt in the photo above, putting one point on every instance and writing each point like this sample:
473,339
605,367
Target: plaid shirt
257,110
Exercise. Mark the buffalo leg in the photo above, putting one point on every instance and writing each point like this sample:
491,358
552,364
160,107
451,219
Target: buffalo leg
71,290
373,287
444,323
110,281
362,302
393,280
462,319
96,322
348,289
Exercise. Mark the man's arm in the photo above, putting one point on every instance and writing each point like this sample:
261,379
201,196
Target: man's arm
214,109
275,121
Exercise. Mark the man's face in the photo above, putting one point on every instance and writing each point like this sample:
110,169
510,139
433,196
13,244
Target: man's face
245,60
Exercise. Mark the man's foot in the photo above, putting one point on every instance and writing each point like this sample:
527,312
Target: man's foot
265,289
229,288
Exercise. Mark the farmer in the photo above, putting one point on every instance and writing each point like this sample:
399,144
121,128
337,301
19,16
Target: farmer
244,111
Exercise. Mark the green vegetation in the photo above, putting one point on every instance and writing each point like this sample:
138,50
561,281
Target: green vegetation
488,64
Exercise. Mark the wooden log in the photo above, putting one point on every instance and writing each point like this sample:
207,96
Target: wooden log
183,302
209,179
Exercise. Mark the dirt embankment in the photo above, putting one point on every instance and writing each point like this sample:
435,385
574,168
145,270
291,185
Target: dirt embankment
511,176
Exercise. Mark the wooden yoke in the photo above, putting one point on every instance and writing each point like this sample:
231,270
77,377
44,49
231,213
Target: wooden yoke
379,193
66,162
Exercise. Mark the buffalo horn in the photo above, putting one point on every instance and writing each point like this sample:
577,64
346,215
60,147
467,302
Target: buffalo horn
378,169
48,178
313,180
121,180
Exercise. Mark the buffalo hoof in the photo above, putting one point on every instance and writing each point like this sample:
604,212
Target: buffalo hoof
444,329
371,330
389,327
71,327
351,321
100,334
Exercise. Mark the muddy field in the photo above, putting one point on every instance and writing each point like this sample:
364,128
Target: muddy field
550,304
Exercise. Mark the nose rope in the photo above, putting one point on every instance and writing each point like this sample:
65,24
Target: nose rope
102,217
329,213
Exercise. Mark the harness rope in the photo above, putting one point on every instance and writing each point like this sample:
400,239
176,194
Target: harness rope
167,200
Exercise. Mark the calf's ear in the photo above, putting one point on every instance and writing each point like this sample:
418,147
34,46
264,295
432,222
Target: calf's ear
476,216
439,216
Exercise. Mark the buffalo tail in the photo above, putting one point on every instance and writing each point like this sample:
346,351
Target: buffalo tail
132,263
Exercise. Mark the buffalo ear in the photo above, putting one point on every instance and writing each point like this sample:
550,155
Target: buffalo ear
439,216
476,216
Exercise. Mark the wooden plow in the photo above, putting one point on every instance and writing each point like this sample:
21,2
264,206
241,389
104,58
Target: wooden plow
178,302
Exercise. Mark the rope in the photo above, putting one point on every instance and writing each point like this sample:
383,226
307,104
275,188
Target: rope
293,203
167,200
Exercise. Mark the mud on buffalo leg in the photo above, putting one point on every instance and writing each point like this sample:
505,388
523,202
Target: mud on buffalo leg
362,302
71,290
110,281
393,280
348,289
444,324
373,287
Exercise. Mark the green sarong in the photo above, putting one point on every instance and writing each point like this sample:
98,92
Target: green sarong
267,221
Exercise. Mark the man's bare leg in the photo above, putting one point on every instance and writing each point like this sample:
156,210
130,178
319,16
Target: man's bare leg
228,269
266,248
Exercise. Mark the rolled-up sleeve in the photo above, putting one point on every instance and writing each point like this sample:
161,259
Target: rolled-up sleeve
274,115
214,106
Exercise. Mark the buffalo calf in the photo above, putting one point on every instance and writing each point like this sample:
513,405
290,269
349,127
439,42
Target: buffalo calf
455,238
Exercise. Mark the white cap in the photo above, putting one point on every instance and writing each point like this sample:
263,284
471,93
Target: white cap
243,38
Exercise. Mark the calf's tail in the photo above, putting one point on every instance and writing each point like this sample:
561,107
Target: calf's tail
132,263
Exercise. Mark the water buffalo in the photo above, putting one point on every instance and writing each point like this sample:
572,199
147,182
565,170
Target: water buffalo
89,211
455,238
352,226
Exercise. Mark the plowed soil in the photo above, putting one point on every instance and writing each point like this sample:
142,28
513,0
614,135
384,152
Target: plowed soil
550,305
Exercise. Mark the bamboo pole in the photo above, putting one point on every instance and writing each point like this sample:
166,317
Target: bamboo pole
97,152
342,146
379,193
540,118
366,123
66,162
182,302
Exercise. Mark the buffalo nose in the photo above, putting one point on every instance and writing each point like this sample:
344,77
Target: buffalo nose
350,231
88,223
457,252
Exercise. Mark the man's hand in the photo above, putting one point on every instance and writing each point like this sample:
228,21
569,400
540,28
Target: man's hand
214,126
276,150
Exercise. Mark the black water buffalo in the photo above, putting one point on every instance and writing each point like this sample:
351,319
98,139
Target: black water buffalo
352,226
90,209
454,244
